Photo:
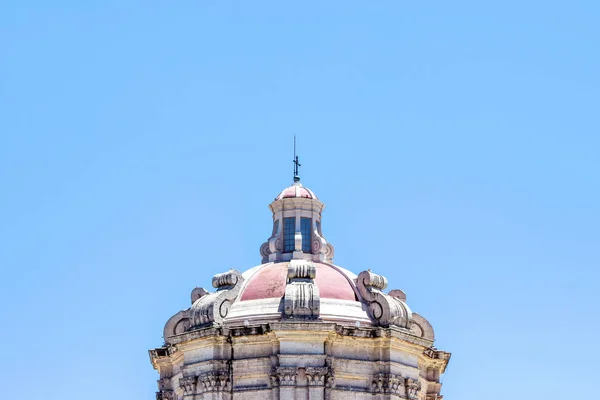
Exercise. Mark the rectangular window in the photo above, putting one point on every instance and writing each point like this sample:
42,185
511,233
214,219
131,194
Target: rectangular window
305,229
289,229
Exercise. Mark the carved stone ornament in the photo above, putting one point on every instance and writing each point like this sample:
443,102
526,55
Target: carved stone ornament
421,327
164,384
209,308
165,395
301,293
383,309
319,245
215,381
177,324
197,293
274,244
317,375
162,352
264,252
329,252
388,383
284,376
330,378
188,384
213,308
413,387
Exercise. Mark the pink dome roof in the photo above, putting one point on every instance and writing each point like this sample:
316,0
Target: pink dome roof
270,282
296,190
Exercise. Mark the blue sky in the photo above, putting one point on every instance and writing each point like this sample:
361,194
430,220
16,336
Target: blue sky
455,145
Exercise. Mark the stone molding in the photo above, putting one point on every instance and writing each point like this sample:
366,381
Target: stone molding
383,309
301,297
434,359
162,352
436,354
301,270
163,356
215,376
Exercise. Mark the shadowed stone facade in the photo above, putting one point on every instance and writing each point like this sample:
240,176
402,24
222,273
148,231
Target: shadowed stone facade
298,327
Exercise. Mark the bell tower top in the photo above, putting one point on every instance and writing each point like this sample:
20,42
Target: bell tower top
296,225
297,234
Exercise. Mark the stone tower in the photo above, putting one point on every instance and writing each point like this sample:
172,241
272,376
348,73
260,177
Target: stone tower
298,326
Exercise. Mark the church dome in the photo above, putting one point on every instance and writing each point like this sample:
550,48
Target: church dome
296,190
298,326
269,281
297,280
265,287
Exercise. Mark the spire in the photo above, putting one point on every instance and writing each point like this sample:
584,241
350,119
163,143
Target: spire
296,163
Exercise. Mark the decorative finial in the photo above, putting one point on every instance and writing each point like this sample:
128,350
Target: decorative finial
296,163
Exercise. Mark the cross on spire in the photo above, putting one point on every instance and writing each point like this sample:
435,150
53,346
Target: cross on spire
296,163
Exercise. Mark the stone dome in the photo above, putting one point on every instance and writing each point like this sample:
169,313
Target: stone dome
262,295
298,290
297,280
296,190
269,281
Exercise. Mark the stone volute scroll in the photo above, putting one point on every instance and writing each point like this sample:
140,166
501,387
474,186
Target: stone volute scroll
177,324
302,297
207,308
383,309
213,307
421,327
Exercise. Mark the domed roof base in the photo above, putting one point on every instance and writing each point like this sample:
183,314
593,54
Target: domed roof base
308,360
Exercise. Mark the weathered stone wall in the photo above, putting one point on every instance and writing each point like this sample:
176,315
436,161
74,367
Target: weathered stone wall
298,360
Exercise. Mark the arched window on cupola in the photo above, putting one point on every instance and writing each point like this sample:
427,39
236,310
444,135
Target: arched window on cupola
289,230
305,230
